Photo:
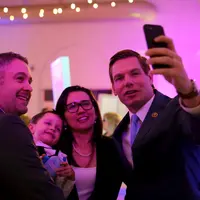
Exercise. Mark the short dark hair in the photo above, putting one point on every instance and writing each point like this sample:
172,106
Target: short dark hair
40,115
126,54
8,57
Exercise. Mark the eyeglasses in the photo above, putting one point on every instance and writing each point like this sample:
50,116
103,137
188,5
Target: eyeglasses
73,107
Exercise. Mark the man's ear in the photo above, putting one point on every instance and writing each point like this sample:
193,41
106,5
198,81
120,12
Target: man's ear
150,77
113,90
31,128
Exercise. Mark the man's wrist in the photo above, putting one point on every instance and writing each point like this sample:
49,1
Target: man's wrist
194,92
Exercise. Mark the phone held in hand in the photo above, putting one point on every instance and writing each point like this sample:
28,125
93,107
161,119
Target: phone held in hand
151,32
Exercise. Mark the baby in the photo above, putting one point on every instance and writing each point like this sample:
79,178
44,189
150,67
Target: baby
46,128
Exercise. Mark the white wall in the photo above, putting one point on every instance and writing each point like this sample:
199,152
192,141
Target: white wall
90,45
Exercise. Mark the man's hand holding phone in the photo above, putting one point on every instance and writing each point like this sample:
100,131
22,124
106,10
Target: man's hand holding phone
175,72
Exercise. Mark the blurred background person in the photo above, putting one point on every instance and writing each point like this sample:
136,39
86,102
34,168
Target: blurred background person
110,122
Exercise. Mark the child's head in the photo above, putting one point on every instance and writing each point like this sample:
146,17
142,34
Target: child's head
46,127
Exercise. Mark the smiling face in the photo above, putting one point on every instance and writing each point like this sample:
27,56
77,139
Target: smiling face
47,129
84,119
131,84
15,87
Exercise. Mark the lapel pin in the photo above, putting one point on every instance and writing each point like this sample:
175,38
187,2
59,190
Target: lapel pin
154,115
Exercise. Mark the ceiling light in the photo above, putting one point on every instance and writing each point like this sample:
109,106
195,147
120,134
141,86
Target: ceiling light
73,6
113,4
5,9
12,18
23,10
78,9
95,5
55,11
41,10
25,15
60,10
41,14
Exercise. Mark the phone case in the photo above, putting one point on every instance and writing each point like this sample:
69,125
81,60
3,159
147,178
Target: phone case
151,32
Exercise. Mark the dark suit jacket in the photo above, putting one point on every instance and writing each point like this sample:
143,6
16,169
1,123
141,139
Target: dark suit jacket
110,171
21,172
159,166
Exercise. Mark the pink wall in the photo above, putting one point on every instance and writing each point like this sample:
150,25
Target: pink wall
90,45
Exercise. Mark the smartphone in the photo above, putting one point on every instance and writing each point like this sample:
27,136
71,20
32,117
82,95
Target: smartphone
151,32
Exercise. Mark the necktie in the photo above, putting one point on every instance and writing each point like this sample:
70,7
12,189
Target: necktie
135,126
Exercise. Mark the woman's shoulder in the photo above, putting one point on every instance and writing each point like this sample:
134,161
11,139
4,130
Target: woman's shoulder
109,151
108,142
106,139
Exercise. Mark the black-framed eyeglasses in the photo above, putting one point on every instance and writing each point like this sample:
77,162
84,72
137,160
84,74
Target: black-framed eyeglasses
74,106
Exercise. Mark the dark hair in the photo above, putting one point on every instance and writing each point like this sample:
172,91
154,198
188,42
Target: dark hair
126,54
65,143
40,115
8,57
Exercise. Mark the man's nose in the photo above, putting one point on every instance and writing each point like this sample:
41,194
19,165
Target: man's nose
128,81
28,87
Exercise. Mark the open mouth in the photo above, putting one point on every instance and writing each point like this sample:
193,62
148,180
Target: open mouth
130,92
24,97
50,134
83,119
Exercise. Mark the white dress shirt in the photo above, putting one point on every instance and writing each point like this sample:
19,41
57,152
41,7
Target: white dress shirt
126,137
50,152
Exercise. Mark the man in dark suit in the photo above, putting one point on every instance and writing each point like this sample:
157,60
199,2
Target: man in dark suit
21,172
153,141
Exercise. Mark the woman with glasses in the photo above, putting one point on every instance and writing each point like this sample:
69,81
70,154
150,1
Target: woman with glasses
94,157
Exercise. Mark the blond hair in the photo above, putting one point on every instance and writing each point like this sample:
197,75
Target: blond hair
113,120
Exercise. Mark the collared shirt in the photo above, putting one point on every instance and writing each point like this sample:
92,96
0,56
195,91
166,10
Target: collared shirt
126,141
126,138
49,151
192,111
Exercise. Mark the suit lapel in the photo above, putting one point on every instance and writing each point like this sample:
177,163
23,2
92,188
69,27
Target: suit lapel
153,115
123,126
118,135
98,164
